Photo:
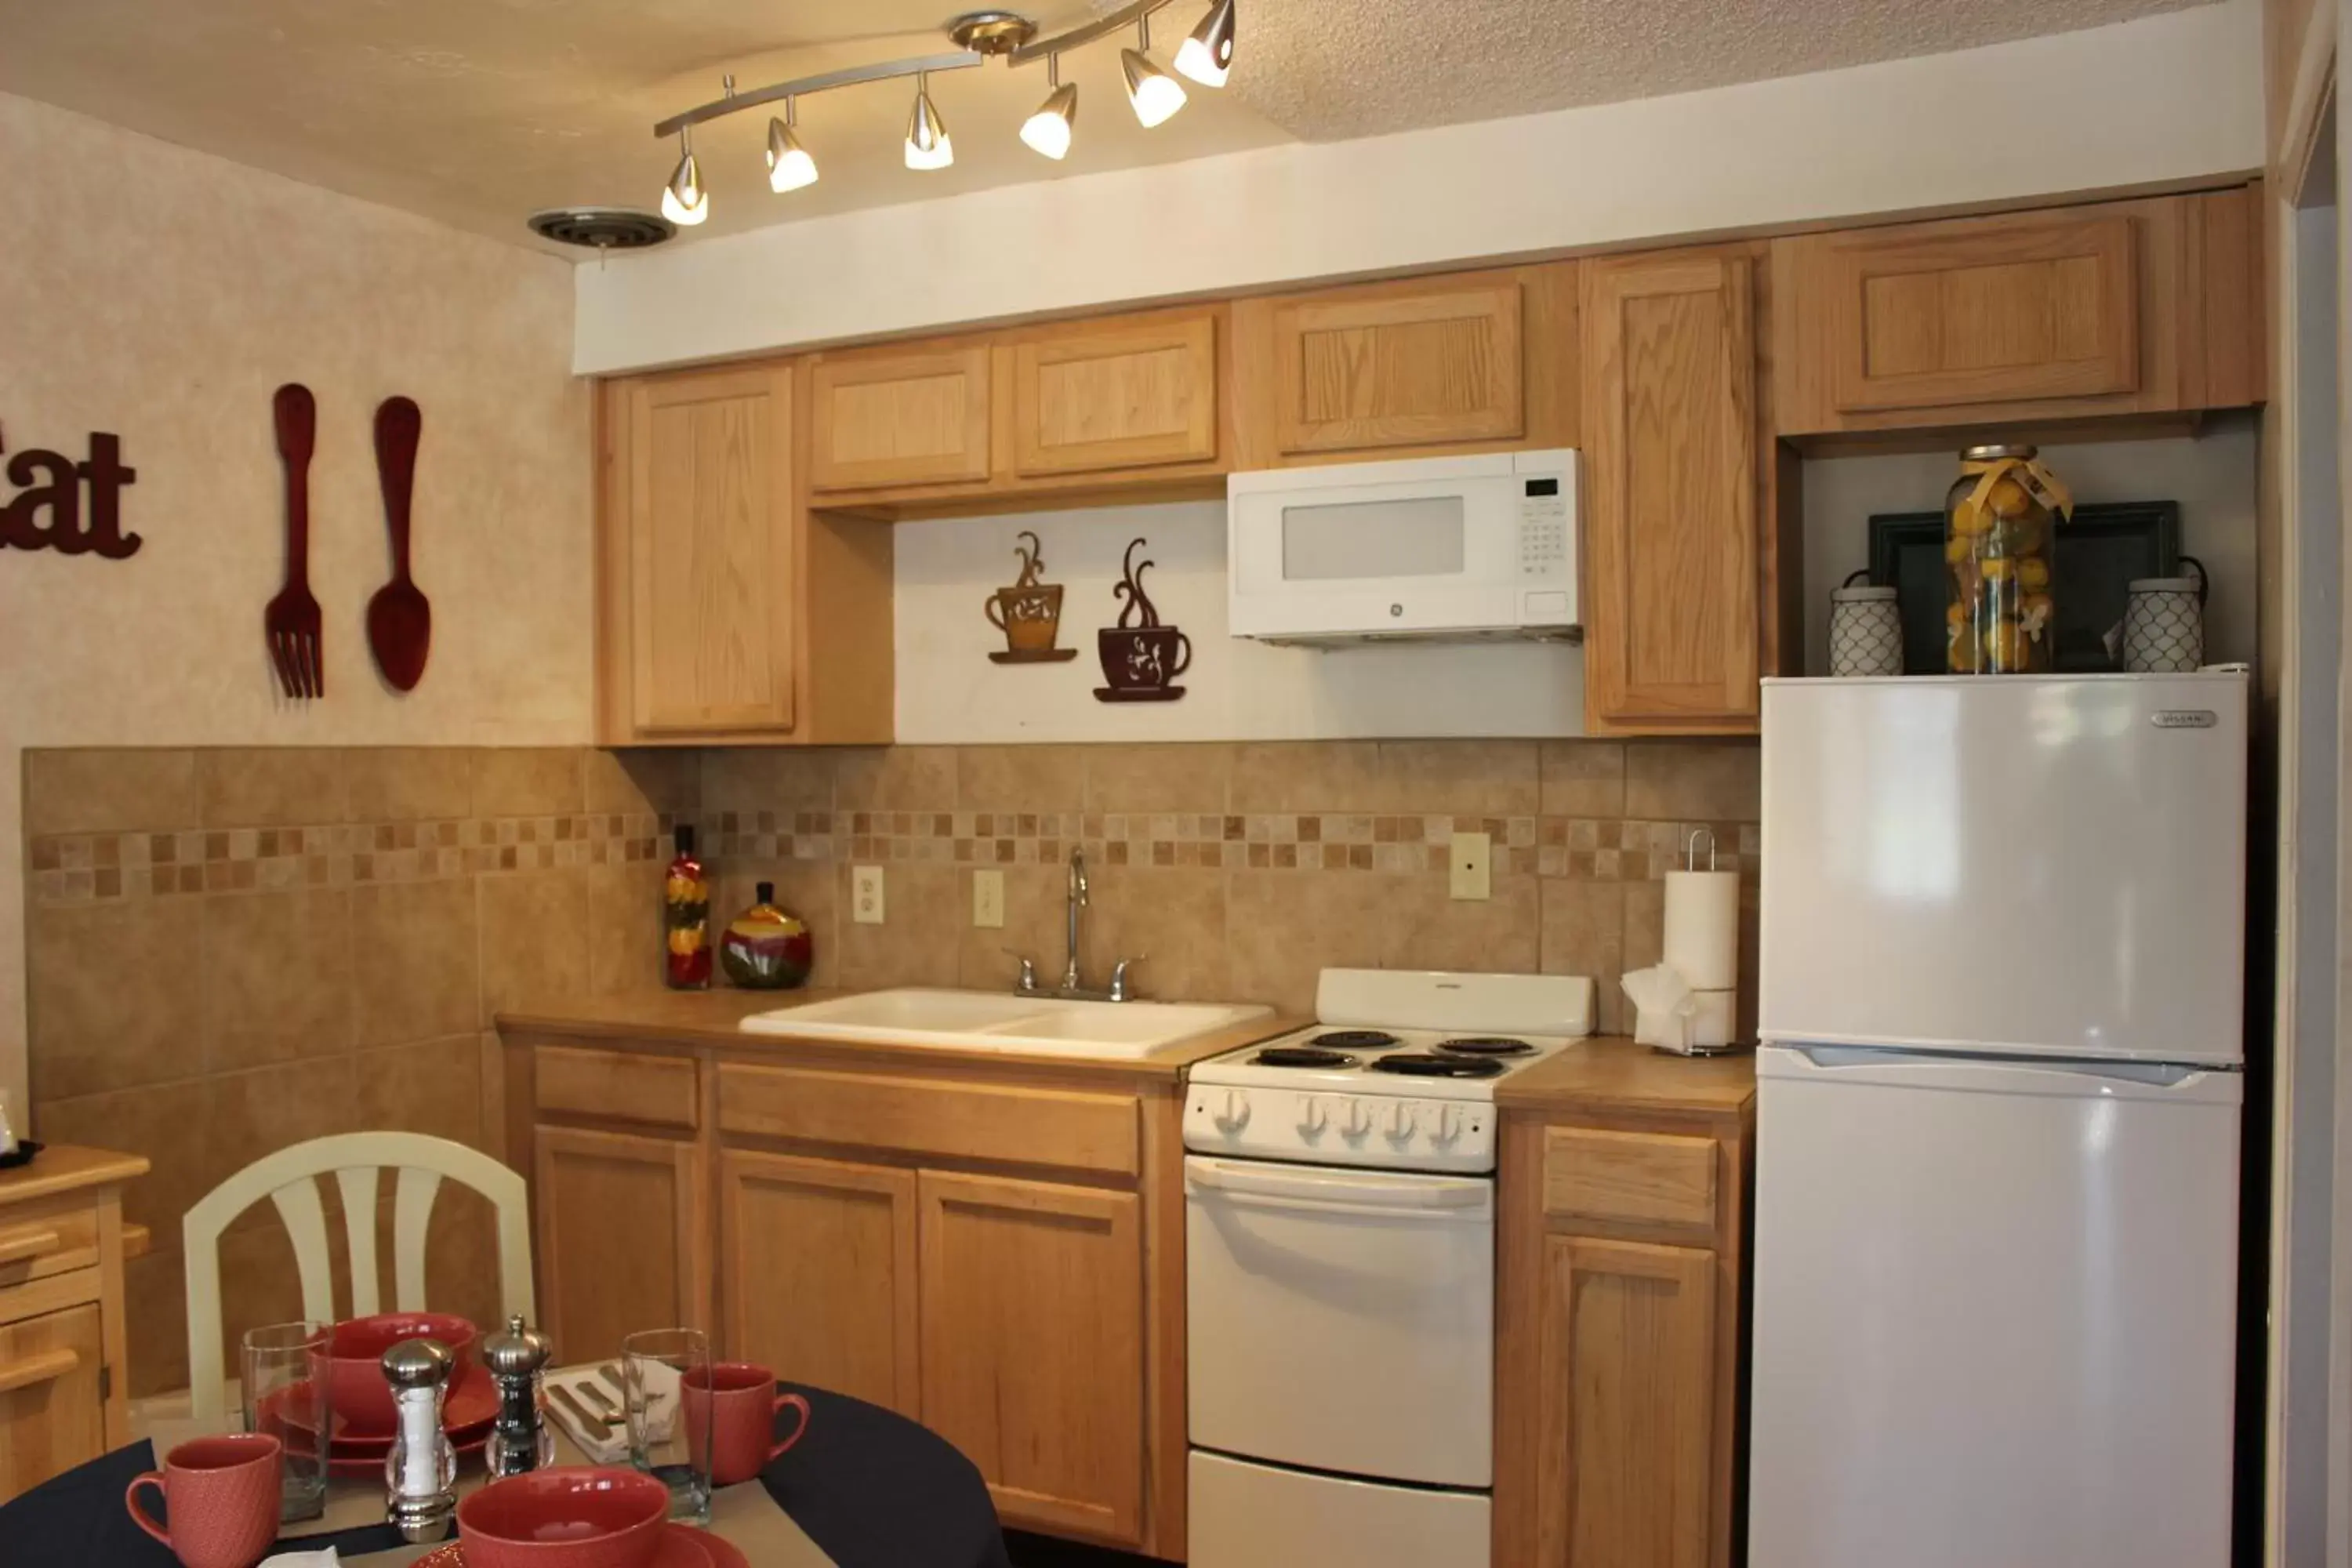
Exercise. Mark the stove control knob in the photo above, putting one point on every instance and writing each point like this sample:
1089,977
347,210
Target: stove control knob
1449,1124
1400,1120
1359,1119
1312,1116
1235,1115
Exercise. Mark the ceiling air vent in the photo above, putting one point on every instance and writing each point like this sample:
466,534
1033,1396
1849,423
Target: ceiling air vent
603,229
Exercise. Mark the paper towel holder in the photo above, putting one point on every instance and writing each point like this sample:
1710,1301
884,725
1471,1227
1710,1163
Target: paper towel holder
1690,850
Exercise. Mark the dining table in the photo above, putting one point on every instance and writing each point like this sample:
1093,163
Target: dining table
865,1488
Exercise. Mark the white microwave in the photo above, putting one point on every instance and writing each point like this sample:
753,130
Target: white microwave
1432,548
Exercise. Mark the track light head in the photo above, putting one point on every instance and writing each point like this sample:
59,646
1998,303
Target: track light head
928,146
1208,55
1048,129
684,201
790,167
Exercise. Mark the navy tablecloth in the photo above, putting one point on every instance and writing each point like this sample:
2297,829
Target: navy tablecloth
871,1487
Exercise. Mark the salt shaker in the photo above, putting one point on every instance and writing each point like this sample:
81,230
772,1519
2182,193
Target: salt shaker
420,1476
520,1441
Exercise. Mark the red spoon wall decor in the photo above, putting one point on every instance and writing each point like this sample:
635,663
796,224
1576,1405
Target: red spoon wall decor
399,618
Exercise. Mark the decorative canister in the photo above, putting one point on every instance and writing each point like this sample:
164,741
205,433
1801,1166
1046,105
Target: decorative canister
1865,629
2164,622
766,948
2001,619
686,917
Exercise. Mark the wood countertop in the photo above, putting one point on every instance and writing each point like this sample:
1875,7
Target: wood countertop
712,1019
63,1167
1611,1070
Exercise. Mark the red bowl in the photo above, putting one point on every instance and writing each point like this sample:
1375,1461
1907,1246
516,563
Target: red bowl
572,1517
354,1364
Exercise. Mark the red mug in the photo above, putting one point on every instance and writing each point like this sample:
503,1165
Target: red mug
737,1403
222,1494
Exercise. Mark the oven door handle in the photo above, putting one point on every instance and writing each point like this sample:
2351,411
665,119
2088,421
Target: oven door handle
1336,1189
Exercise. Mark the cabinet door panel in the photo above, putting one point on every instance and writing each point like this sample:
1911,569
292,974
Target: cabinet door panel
821,1272
1671,538
621,1238
1399,369
1627,1372
1118,395
51,1418
1033,1346
712,553
1990,314
898,419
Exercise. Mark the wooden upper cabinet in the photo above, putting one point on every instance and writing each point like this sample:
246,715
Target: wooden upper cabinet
1439,361
710,552
912,416
2148,306
1119,394
1671,491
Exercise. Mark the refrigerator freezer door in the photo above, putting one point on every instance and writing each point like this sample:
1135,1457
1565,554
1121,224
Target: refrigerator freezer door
1993,1316
2048,866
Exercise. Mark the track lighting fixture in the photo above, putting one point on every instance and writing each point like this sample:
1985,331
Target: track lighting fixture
788,165
1048,129
928,146
1208,55
684,201
1155,94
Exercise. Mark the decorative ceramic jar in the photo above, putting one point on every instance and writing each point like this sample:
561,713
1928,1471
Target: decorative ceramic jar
2001,617
2164,623
1865,630
686,917
766,948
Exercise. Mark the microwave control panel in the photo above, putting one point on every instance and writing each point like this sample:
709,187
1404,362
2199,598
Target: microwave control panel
1543,529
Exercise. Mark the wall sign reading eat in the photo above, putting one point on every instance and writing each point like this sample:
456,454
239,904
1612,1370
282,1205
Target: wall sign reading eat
47,512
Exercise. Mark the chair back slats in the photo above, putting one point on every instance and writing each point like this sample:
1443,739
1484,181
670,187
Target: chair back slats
412,1216
305,1219
358,1184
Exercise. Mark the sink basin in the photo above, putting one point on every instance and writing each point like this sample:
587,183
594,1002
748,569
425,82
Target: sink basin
991,1021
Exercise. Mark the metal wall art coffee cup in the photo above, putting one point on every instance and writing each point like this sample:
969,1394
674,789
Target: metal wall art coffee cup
1865,629
2164,623
1029,613
1140,657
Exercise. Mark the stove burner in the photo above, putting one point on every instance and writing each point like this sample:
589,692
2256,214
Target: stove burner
1415,1065
1487,1046
1354,1040
1301,1057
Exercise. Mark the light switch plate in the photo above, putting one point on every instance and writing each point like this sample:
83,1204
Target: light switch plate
1472,863
865,895
988,900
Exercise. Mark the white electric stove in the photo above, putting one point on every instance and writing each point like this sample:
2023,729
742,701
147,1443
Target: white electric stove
1339,1268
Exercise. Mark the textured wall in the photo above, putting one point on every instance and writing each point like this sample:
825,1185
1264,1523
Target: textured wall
161,295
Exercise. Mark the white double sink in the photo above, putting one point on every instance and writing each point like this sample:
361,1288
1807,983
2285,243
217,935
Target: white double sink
992,1021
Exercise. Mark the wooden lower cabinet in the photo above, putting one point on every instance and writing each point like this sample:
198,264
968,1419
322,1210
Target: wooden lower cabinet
1033,1345
52,1399
623,1237
821,1272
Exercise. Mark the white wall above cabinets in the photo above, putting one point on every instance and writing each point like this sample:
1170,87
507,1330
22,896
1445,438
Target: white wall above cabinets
948,691
2215,476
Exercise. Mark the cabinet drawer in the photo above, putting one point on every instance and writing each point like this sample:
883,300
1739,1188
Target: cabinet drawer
36,1245
51,1415
618,1085
966,1121
1638,1178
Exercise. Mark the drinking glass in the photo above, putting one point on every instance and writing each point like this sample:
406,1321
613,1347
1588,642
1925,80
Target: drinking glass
662,1441
282,1399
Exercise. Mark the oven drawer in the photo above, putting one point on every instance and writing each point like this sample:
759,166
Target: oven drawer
1240,1515
1342,1320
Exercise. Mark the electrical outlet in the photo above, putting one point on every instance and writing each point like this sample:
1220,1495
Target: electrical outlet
865,895
988,900
1472,864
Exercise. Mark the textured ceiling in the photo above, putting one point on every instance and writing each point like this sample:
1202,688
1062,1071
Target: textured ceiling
479,111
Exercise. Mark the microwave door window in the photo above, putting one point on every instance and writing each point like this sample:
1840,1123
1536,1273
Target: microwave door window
1419,536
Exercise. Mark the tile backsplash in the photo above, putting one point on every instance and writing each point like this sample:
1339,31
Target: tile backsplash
229,951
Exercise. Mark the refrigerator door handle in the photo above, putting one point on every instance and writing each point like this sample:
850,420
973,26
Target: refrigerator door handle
2001,1075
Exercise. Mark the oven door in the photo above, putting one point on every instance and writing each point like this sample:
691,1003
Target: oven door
1342,1320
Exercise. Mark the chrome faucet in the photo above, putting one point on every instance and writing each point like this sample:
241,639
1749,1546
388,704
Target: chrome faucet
1077,896
1073,985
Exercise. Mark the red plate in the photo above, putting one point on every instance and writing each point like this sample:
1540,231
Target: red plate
365,1467
680,1548
471,1405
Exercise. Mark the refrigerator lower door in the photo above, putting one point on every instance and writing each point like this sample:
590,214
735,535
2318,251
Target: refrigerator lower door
1994,1312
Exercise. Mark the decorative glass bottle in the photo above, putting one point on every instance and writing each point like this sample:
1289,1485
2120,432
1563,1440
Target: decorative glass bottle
766,948
2003,614
685,918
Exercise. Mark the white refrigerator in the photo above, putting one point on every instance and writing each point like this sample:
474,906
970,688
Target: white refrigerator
1999,1093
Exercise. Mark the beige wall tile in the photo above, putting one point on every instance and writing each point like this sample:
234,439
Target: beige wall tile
1138,779
433,1087
624,926
1584,933
1170,919
106,789
1020,778
534,938
1283,927
272,786
768,778
1305,775
260,1285
1424,928
1477,778
491,1071
410,783
113,994
249,1114
461,1267
1581,778
415,956
528,781
1645,924
158,1121
920,942
1035,904
276,977
1694,780
155,1310
895,778
644,779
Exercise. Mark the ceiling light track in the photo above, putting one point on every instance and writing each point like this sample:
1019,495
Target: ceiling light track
850,76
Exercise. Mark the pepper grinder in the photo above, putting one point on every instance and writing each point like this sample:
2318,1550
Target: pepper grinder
520,1441
420,1475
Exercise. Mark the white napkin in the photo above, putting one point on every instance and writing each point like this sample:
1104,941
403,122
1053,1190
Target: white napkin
1664,1006
323,1558
611,1446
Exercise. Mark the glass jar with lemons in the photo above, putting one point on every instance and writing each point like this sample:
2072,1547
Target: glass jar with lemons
2001,619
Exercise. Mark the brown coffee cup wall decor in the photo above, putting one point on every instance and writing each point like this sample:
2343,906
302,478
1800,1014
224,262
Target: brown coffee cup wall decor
1029,613
1140,657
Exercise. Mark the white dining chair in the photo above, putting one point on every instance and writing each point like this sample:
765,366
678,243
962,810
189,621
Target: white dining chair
290,1179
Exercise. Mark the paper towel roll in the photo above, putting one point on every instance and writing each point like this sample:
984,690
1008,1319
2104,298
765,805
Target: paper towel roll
1703,928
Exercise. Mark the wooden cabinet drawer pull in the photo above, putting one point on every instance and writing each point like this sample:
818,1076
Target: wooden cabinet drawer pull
34,1370
28,1244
